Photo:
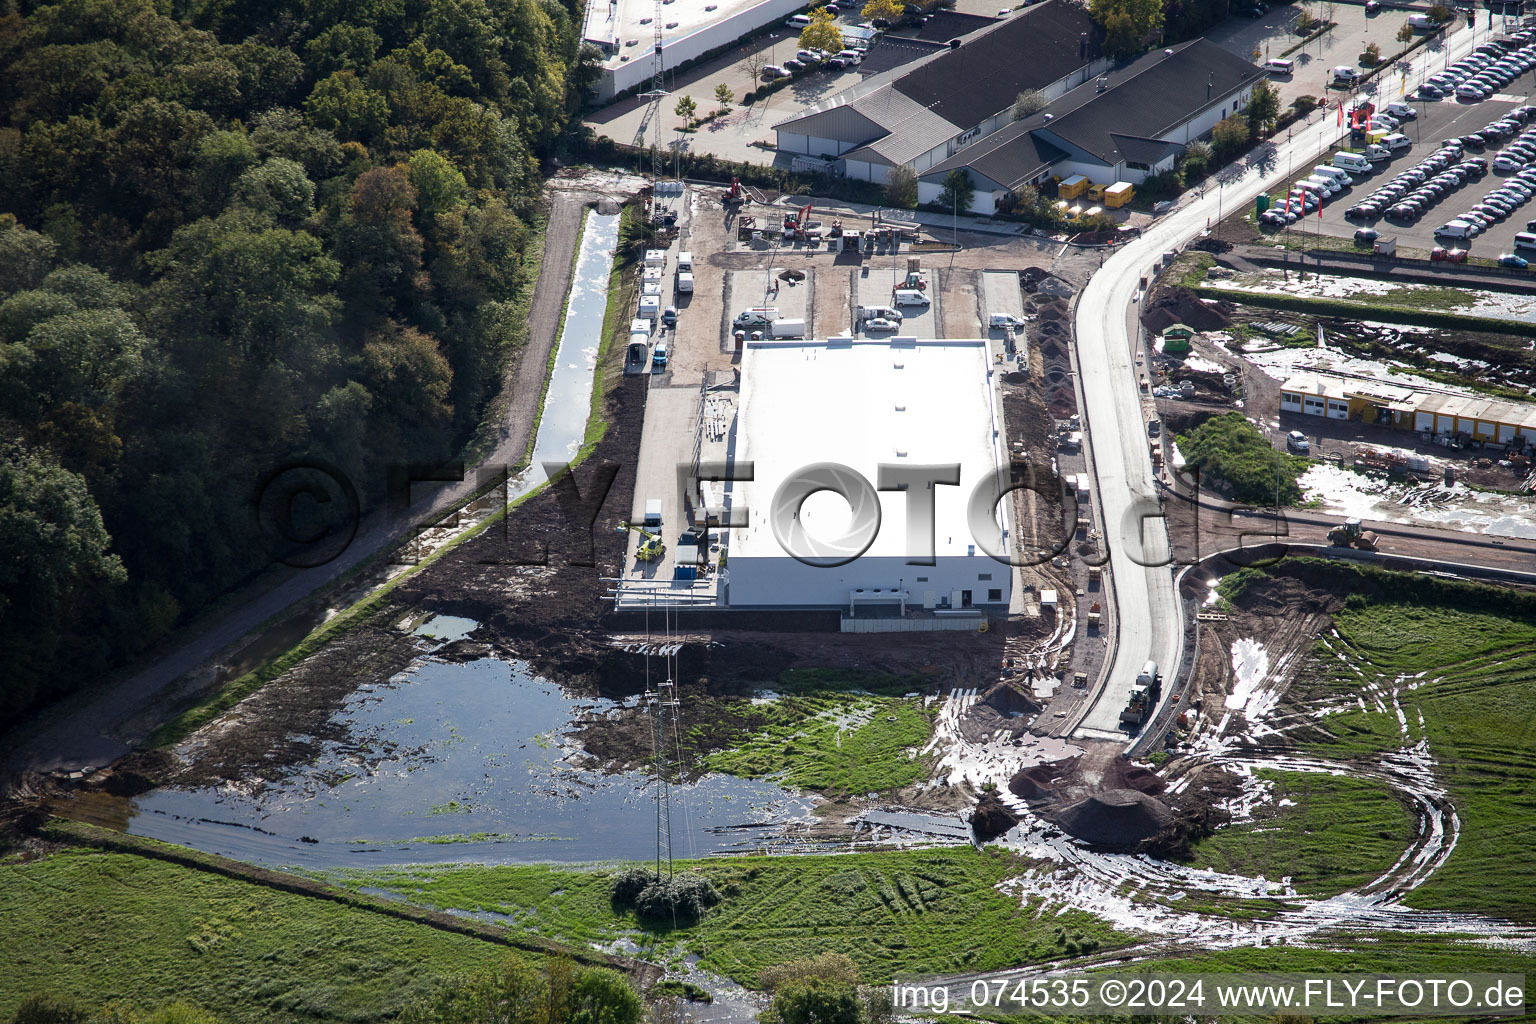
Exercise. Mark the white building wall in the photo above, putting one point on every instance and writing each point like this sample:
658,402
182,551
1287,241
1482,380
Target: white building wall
1202,125
675,50
864,170
789,142
783,581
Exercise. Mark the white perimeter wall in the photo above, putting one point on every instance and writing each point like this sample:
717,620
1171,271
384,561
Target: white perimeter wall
783,581
701,40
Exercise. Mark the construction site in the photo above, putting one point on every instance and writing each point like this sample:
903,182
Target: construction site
685,682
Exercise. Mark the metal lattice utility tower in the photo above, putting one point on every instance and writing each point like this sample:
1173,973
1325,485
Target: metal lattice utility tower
663,706
658,90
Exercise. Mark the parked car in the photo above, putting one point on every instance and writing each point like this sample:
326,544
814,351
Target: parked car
1440,254
1509,259
880,323
1296,441
1365,236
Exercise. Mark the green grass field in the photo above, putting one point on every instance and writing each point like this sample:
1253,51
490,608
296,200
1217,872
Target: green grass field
1477,696
113,926
836,743
1462,656
892,912
1341,833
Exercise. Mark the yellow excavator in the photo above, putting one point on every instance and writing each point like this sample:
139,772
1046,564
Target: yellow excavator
651,546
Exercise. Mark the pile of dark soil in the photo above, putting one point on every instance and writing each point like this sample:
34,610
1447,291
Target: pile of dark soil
1007,697
1182,306
1039,781
992,817
1116,818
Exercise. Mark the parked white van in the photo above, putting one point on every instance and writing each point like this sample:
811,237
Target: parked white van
1396,141
1454,229
1376,154
911,297
798,21
1322,186
1279,66
1334,174
1352,162
1525,240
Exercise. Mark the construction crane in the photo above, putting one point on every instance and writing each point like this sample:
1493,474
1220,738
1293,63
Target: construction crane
651,546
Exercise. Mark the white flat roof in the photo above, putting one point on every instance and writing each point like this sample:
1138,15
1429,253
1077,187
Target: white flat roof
619,21
859,403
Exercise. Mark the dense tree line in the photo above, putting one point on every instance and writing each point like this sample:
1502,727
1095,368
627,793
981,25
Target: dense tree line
234,233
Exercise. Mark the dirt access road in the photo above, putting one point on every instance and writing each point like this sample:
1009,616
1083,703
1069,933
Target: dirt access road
89,735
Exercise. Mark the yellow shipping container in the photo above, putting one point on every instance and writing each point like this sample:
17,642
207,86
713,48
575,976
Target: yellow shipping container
1073,187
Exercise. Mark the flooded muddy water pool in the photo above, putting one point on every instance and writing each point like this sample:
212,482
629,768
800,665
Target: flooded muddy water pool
461,762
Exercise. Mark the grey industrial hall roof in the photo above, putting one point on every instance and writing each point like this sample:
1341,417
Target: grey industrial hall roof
1029,50
942,26
1147,99
1009,157
894,52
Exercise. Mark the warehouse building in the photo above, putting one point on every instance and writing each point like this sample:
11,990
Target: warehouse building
1126,125
926,112
625,32
1428,412
873,410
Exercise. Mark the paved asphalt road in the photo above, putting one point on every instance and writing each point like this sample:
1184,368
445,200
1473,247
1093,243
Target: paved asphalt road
1147,610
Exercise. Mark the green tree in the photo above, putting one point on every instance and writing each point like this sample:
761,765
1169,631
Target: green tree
519,993
343,105
1372,55
1439,13
724,96
1405,33
1197,159
888,10
58,569
1263,108
1030,101
957,192
685,109
815,1001
440,187
822,33
901,187
46,1008
1127,23
279,190
1229,136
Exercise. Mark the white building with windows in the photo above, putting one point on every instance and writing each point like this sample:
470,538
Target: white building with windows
1128,124
876,411
923,113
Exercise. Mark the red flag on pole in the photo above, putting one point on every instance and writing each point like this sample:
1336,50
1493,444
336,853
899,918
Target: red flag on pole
1341,113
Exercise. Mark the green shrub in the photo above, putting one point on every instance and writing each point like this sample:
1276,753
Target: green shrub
1234,452
628,885
681,900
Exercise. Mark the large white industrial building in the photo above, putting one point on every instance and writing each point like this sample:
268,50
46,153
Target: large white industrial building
903,403
625,31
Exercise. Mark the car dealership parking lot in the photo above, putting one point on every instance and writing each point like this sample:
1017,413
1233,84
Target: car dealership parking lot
1437,121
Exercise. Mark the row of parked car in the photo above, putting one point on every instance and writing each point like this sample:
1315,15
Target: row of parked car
1328,181
1485,70
805,60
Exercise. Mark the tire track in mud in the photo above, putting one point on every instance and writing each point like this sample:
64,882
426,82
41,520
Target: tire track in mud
1142,894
